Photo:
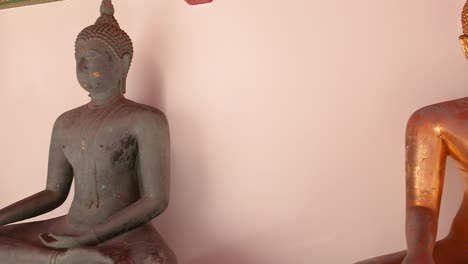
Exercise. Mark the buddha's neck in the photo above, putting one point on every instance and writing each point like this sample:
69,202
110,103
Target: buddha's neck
103,101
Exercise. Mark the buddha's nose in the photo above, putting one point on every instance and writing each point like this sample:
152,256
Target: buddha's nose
82,65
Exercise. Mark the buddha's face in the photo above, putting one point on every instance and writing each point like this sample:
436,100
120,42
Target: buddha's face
98,68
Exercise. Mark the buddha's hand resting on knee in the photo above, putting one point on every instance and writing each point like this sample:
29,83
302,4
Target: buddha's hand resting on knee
418,258
66,241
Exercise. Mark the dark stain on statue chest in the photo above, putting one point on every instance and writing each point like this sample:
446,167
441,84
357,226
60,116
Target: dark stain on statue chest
125,151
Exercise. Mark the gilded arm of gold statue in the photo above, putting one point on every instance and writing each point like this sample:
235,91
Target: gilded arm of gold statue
429,140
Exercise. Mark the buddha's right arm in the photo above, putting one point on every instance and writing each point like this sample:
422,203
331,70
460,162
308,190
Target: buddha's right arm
35,205
425,167
59,179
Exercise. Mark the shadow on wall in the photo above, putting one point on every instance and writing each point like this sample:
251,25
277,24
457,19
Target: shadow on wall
181,225
187,177
154,48
153,90
185,222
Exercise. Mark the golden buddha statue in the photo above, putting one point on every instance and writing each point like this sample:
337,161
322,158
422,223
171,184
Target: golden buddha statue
434,133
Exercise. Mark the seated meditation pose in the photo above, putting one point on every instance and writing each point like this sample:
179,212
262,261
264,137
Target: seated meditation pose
117,152
434,133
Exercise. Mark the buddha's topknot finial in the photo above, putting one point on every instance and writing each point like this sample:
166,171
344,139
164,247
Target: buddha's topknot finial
107,8
107,30
464,37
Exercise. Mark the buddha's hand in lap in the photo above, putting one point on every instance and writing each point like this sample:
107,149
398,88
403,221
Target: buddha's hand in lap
67,241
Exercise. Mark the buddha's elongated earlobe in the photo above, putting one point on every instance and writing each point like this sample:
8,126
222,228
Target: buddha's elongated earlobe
464,37
126,60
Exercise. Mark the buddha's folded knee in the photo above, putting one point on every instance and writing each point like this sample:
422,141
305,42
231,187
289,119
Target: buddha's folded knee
160,255
140,253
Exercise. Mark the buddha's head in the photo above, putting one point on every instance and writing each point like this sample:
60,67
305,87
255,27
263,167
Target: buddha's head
464,37
103,54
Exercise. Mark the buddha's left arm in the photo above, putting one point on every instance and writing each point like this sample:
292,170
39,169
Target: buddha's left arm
426,154
152,162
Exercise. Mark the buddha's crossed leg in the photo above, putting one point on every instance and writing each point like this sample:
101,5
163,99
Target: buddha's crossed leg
20,244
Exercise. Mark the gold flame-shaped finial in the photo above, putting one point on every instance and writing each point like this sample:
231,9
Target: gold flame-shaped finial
464,37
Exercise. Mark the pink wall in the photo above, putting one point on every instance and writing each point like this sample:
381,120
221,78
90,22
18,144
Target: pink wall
287,117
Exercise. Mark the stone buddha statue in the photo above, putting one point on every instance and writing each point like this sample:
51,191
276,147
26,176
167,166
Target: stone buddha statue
117,151
434,133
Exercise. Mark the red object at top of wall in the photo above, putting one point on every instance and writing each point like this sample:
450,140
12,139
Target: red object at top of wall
198,2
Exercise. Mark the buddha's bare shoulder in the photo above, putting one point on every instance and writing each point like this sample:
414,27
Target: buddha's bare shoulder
446,113
145,117
69,118
144,112
441,111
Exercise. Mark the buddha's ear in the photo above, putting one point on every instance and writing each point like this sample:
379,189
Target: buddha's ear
126,63
125,67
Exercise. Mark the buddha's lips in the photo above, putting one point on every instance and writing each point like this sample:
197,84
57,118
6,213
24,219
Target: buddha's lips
96,75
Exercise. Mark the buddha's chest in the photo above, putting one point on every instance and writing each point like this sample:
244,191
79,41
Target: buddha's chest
107,143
